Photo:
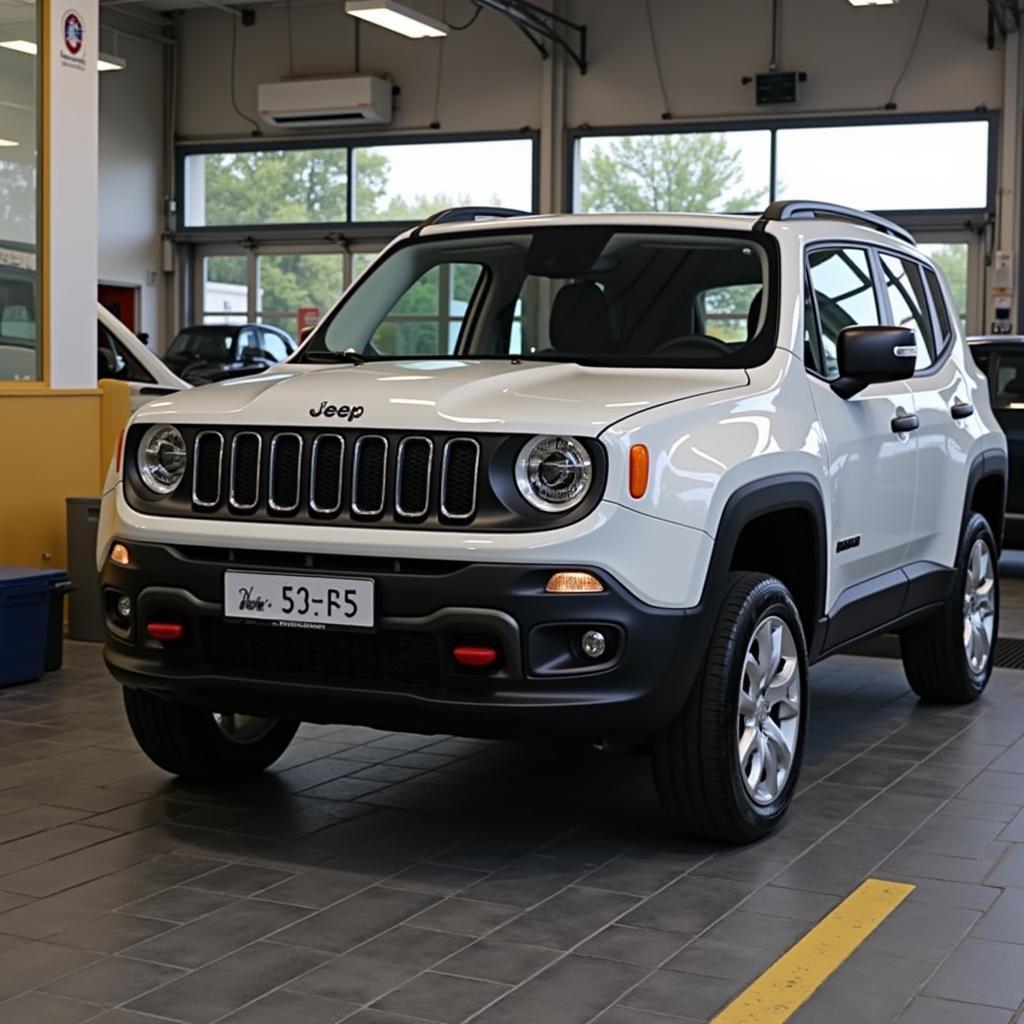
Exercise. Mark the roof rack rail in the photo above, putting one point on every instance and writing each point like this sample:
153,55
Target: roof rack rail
457,214
801,209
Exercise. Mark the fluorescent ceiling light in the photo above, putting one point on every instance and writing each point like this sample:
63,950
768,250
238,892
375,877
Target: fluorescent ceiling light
397,18
873,3
7,143
20,45
108,62
105,61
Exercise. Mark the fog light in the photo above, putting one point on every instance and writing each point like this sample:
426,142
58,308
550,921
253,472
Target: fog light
574,583
119,555
594,643
124,607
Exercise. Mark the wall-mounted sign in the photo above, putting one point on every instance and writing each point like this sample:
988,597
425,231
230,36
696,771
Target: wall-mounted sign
308,317
72,41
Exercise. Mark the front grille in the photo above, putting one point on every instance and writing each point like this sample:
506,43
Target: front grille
359,478
386,660
244,473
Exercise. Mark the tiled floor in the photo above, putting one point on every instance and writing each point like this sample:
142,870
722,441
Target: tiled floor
388,879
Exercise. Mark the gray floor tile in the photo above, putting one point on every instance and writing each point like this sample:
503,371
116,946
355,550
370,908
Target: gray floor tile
42,1008
674,993
240,879
113,981
284,1007
441,997
718,959
492,960
566,918
380,965
922,931
1004,921
111,933
32,964
355,920
465,917
646,947
179,904
226,985
223,931
982,971
571,991
689,905
925,1010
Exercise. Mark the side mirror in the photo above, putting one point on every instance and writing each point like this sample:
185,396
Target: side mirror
873,355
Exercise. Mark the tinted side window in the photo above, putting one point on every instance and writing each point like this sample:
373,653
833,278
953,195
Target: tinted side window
845,297
274,346
1008,384
909,304
941,311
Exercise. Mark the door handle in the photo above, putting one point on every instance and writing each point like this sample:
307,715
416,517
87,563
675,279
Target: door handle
961,410
904,424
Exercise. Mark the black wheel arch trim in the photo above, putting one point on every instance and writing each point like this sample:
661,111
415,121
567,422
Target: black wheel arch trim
784,492
993,462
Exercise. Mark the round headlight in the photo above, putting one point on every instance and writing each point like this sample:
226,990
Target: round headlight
162,458
554,474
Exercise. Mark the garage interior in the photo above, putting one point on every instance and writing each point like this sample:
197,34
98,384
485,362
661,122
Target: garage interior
380,877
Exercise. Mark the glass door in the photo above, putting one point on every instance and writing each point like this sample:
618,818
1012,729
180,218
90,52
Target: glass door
960,256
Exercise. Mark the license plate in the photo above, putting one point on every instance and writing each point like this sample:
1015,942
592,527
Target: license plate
309,602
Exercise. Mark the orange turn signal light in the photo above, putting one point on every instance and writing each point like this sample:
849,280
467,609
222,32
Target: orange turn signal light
574,583
119,555
639,470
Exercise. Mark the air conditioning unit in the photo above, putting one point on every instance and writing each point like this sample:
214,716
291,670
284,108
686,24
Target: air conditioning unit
325,102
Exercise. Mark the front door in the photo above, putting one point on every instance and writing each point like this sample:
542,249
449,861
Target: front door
872,463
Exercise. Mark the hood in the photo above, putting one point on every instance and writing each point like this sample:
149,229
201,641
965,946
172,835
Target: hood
488,396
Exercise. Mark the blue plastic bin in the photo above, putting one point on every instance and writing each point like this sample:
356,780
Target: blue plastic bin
25,604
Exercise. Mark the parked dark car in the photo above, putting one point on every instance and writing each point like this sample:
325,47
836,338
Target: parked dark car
212,352
1001,358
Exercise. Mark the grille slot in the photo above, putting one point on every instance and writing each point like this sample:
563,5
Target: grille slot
459,470
369,475
326,473
207,469
412,476
285,472
246,451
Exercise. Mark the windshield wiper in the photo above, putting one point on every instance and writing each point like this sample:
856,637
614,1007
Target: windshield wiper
326,356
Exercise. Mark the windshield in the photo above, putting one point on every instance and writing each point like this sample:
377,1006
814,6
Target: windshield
211,343
586,294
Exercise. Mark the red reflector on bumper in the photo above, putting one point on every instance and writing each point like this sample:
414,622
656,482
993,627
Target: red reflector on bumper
475,657
165,630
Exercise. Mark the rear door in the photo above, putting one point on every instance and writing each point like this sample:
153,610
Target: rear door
942,402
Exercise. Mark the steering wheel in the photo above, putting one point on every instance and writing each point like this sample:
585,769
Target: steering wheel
692,344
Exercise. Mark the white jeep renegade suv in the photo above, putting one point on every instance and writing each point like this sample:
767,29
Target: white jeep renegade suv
621,478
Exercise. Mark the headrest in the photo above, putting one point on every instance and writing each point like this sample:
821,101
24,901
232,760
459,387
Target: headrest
580,319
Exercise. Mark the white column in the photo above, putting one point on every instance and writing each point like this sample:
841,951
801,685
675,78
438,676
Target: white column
71,151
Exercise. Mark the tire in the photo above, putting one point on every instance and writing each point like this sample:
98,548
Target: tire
196,746
937,656
696,760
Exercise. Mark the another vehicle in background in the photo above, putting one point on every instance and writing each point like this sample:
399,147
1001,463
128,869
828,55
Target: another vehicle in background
212,352
1001,359
122,356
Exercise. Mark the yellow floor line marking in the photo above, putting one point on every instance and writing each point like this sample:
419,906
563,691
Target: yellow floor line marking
795,976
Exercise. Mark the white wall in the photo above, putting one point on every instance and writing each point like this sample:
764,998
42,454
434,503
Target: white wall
492,78
131,177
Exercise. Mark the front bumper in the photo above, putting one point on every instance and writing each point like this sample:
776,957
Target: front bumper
403,675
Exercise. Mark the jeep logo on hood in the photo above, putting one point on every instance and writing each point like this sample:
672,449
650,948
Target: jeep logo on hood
341,412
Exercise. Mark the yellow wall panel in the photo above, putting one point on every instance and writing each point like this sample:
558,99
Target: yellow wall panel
50,449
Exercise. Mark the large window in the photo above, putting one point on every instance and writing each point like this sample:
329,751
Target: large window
889,165
942,165
19,151
291,285
714,172
394,181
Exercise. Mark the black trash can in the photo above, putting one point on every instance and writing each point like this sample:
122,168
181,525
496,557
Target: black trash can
54,657
85,609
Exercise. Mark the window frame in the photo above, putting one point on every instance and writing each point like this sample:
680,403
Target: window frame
931,217
881,303
354,229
